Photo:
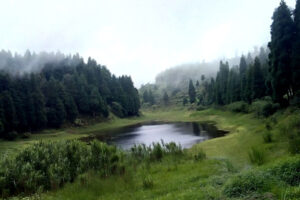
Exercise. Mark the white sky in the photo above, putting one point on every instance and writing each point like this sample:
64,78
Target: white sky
137,37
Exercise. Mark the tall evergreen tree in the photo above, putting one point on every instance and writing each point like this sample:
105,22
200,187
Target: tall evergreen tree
222,83
243,70
151,98
233,87
145,96
258,82
282,33
166,98
296,49
192,92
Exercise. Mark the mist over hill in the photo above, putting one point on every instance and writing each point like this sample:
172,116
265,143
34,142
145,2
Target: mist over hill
178,77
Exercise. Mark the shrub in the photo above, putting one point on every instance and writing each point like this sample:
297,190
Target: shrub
246,183
292,193
148,182
173,149
288,171
11,136
156,152
267,136
239,106
200,108
49,165
199,154
26,135
264,108
294,142
117,109
256,156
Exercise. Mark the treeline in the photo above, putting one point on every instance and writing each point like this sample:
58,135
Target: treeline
61,91
276,74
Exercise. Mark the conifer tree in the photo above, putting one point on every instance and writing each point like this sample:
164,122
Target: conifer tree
166,98
192,92
296,49
280,53
258,82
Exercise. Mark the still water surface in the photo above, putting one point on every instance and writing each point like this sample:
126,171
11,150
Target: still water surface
184,133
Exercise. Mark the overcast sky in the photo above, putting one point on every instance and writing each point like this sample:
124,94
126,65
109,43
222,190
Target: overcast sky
137,37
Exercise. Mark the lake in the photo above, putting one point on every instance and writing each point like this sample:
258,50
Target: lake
185,133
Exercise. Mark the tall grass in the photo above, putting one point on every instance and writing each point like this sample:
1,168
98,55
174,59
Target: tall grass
257,156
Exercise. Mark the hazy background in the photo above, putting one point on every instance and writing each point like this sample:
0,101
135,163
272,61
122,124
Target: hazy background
137,37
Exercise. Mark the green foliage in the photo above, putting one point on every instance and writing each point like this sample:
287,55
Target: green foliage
294,142
282,38
166,98
192,92
287,171
185,101
199,155
61,90
50,165
292,193
155,151
264,108
239,106
291,131
148,182
246,183
11,135
117,109
257,156
267,137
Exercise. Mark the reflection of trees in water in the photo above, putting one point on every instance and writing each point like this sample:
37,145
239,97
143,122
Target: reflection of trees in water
196,129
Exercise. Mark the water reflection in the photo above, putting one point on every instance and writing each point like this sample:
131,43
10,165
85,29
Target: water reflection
185,133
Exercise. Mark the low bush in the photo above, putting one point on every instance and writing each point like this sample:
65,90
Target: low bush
287,171
44,166
11,136
246,183
292,193
200,108
117,109
26,135
199,154
148,182
294,142
291,129
239,106
267,137
257,156
264,108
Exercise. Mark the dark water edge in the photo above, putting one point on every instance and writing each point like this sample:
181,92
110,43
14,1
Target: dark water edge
184,133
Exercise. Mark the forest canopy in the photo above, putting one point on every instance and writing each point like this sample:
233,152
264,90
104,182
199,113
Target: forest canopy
45,90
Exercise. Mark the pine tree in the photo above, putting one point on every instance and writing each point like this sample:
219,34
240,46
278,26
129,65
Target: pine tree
145,96
243,70
258,82
222,83
233,88
166,98
280,53
296,49
151,98
192,92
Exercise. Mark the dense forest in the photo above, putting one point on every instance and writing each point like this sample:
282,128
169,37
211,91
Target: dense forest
276,75
268,73
46,90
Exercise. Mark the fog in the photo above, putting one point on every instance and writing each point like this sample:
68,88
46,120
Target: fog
134,37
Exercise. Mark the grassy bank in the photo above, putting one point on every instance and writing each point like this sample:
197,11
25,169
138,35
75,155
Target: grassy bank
227,160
